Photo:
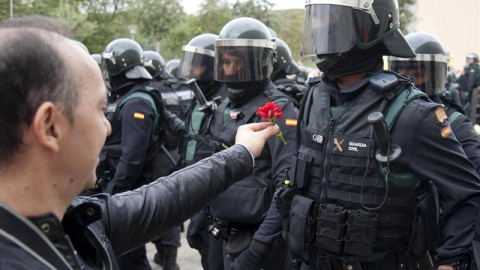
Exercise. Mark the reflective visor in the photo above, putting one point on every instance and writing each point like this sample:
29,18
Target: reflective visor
194,62
428,70
327,29
243,60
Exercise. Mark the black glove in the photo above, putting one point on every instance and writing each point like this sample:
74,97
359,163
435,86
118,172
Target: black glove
197,234
249,259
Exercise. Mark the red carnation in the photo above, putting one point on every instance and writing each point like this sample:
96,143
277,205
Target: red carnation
271,111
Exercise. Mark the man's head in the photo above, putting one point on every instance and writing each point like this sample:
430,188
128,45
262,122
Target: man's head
51,110
172,66
472,59
336,30
428,67
124,56
198,58
244,52
154,63
284,63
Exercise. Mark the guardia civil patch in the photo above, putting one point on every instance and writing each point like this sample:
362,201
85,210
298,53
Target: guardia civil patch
446,131
440,115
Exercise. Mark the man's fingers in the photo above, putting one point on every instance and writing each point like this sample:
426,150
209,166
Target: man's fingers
258,126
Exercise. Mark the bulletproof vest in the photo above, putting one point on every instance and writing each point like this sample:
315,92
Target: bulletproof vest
172,104
247,201
337,174
198,144
111,151
291,88
183,91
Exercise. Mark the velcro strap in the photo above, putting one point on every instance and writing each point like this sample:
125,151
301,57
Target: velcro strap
369,199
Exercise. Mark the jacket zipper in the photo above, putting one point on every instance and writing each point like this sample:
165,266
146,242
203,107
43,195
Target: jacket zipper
110,265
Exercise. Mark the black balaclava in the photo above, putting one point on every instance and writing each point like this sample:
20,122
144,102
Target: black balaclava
352,62
208,87
240,92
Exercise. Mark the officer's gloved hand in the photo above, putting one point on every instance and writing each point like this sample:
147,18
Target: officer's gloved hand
197,234
249,259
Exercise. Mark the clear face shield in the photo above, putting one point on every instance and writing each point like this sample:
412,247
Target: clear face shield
195,63
243,60
331,26
428,70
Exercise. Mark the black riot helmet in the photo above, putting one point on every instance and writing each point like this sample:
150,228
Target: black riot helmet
198,58
244,51
284,59
124,55
428,67
154,62
98,58
333,27
472,58
172,66
81,45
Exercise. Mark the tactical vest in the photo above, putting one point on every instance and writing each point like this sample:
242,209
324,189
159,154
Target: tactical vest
291,88
198,139
111,152
337,175
247,201
172,104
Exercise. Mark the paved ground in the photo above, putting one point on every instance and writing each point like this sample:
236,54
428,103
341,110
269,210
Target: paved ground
188,258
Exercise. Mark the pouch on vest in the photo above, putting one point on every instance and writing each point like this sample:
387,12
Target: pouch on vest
361,233
425,232
302,223
246,201
238,242
301,167
330,227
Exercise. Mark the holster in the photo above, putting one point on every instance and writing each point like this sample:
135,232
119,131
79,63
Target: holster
425,227
283,202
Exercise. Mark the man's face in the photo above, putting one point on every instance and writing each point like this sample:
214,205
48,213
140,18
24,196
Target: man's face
90,128
195,71
231,64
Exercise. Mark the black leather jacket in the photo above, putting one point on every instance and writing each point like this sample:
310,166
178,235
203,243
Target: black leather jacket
96,229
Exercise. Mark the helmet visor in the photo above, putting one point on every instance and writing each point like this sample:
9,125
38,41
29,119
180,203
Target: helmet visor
243,60
195,63
327,29
428,70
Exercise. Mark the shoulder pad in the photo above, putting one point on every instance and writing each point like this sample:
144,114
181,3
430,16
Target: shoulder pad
384,82
314,80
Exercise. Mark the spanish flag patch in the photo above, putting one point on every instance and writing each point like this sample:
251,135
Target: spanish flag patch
446,130
139,115
291,122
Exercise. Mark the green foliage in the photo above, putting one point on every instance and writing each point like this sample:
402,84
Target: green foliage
162,25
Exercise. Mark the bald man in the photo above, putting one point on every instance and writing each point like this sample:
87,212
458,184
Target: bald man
53,127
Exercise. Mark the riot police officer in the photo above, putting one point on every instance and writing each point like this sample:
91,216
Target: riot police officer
244,62
283,66
168,157
351,206
470,79
127,160
197,63
429,69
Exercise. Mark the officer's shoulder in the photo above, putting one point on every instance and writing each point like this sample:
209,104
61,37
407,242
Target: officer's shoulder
278,97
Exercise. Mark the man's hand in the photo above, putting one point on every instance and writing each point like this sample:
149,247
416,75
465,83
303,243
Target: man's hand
254,136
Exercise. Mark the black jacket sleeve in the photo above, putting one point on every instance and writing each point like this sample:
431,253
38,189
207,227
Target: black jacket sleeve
137,117
134,218
467,136
432,152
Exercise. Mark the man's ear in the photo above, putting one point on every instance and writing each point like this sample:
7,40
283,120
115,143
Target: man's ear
49,126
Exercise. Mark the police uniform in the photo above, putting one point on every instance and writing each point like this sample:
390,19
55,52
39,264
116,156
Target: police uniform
197,146
240,210
334,221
